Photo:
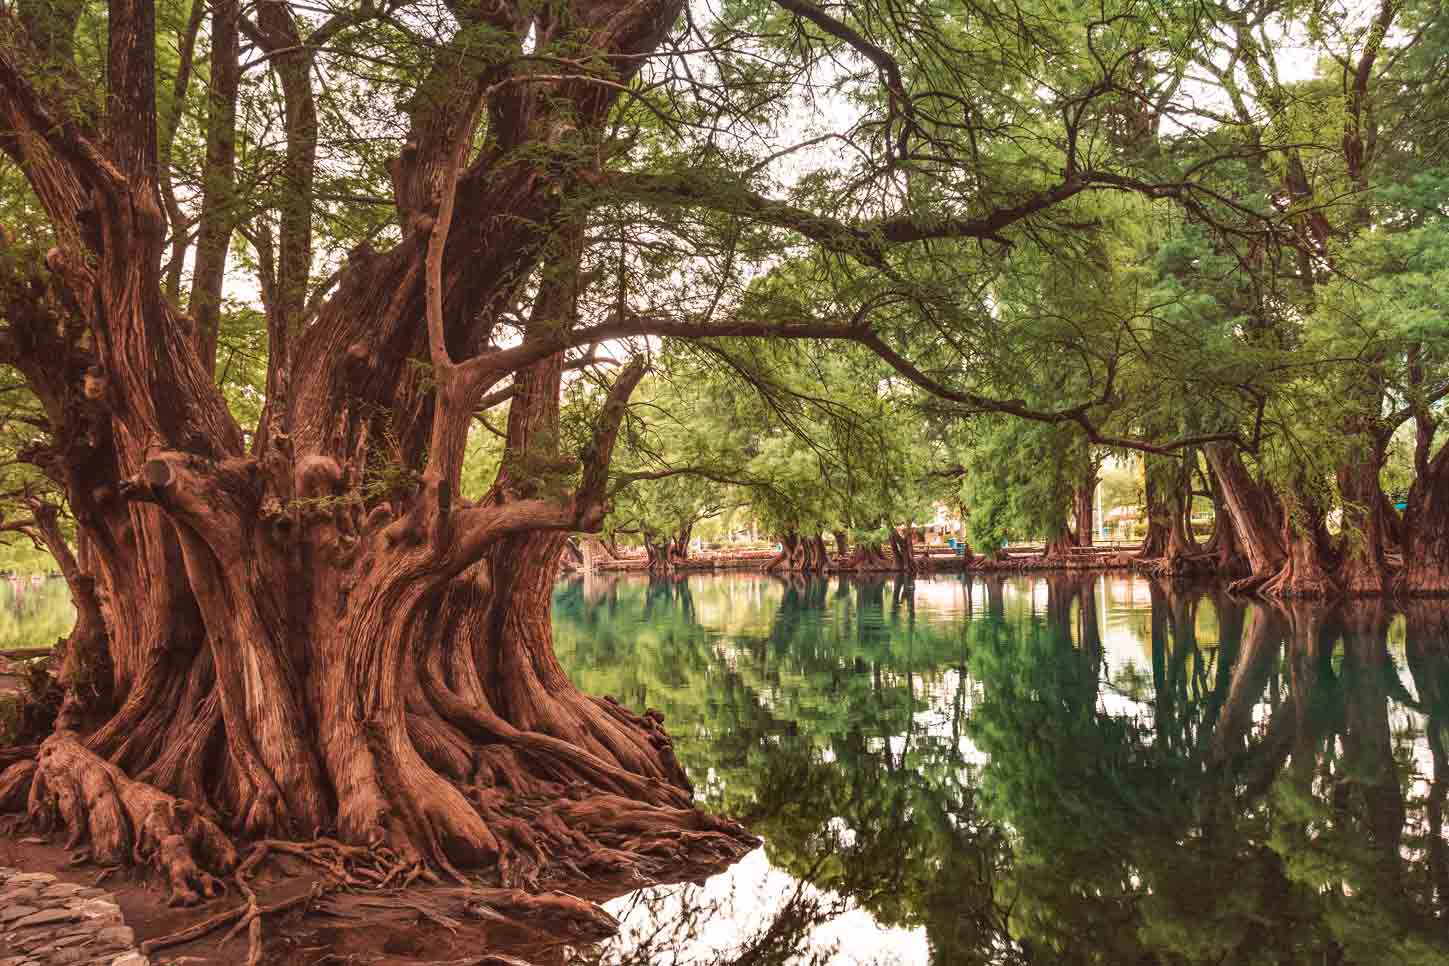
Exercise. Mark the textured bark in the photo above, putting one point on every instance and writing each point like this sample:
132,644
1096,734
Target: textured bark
1224,547
1059,545
800,555
218,184
1364,570
659,554
1308,569
85,668
1082,511
294,649
1254,513
903,550
866,557
1154,542
1426,528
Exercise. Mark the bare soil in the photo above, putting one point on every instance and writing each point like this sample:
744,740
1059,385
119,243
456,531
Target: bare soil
411,927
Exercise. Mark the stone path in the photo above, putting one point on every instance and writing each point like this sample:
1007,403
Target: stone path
45,921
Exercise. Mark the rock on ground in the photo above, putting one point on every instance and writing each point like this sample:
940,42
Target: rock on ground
44,921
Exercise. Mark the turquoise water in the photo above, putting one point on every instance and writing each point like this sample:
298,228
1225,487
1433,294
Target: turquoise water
1078,770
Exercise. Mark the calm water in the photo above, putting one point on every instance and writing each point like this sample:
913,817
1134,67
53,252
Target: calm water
1088,770
1084,770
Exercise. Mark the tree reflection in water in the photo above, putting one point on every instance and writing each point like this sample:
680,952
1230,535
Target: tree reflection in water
976,761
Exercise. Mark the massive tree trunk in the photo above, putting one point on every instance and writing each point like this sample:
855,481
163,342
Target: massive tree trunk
1254,512
679,546
1224,547
1365,530
903,550
1058,546
1308,568
298,641
659,553
1169,550
868,556
1426,525
800,555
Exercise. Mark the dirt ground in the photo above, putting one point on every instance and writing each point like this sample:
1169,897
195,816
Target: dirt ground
412,927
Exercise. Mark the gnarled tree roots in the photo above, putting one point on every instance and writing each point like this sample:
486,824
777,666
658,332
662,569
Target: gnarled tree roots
541,813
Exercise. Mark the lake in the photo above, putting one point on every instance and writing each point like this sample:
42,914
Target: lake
1084,769
1060,769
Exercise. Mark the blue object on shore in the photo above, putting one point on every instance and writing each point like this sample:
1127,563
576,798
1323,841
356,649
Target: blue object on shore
1401,506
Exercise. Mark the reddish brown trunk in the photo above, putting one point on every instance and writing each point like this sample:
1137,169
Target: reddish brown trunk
658,552
1154,542
1426,530
903,550
1365,569
841,547
1082,511
1059,545
1254,514
1307,571
867,557
800,555
1224,547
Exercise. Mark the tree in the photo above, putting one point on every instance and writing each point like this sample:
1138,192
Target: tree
309,626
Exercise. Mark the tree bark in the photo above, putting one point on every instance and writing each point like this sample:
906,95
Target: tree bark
903,550
1365,570
800,555
218,202
1255,516
1082,511
1426,527
1154,542
1307,571
1224,546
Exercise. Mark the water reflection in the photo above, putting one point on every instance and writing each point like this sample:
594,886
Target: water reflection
1068,770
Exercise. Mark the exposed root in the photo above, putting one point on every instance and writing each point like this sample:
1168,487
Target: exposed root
126,820
208,926
1247,586
15,786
